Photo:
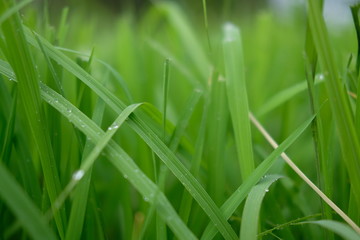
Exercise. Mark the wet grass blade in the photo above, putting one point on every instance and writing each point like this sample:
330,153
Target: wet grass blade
121,161
95,152
148,135
250,216
237,98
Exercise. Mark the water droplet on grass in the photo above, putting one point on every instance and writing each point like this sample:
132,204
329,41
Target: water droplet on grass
78,175
114,126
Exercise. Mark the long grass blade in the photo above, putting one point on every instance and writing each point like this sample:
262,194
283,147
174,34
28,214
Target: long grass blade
339,101
19,57
237,98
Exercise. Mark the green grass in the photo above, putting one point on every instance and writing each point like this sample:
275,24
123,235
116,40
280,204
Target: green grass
150,134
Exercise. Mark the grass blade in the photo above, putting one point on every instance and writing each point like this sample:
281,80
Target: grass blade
250,216
19,56
237,98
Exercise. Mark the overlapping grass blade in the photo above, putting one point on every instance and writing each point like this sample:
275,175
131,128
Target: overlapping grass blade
18,54
237,98
240,194
339,101
250,216
148,135
121,161
80,197
22,207
95,152
186,201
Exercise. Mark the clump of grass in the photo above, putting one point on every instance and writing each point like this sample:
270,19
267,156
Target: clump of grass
88,145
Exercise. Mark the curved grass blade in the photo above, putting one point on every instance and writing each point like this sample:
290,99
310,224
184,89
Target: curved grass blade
94,154
149,135
237,98
250,216
239,195
118,157
23,208
337,227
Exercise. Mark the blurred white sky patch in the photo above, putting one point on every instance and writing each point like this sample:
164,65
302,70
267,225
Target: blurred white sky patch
336,12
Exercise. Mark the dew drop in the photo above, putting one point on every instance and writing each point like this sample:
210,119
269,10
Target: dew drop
78,175
146,199
126,176
266,190
112,127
